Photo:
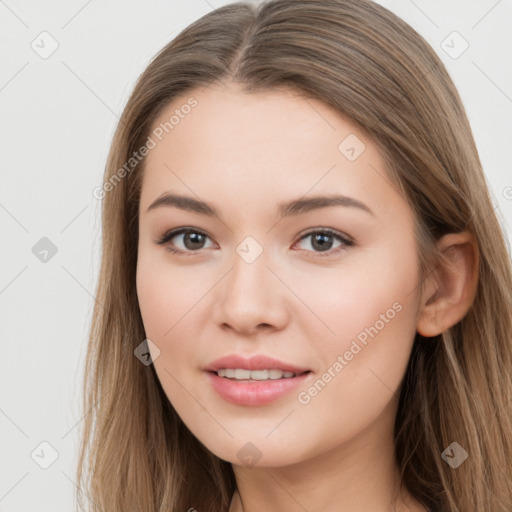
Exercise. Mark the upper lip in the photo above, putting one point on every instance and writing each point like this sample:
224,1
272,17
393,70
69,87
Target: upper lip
259,362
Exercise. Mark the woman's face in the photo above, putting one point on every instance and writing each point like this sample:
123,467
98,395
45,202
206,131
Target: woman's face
275,262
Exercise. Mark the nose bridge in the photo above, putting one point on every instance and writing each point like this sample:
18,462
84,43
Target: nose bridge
248,298
249,273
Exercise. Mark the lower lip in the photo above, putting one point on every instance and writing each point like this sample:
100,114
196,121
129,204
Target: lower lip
254,392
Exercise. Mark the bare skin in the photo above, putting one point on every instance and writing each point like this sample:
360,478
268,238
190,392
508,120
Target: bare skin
244,154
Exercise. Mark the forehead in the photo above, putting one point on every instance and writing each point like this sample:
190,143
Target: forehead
276,144
225,119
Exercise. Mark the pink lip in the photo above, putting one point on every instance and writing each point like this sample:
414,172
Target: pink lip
253,363
252,392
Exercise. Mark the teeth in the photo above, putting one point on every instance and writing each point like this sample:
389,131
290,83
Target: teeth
240,374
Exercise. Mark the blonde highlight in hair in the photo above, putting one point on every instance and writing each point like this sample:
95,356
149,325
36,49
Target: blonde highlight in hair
374,69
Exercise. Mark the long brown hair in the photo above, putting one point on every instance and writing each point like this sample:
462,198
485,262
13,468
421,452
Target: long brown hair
373,68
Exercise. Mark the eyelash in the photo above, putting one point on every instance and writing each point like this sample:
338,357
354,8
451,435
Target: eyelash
169,235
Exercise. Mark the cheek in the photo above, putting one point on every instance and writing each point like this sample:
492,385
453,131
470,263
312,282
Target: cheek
153,296
369,297
165,294
164,301
362,373
372,313
172,308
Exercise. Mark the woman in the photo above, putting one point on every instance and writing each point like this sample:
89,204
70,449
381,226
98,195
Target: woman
304,298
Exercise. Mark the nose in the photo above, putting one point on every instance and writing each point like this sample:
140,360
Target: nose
251,298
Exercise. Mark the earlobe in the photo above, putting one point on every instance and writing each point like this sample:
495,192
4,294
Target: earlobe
452,291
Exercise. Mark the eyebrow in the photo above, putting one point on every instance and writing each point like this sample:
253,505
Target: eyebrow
287,209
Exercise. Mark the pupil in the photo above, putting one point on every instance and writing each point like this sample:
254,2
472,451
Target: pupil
318,239
196,240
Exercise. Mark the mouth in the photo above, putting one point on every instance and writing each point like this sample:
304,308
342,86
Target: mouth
254,381
254,388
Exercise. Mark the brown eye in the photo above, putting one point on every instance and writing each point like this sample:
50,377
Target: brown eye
322,241
193,240
184,240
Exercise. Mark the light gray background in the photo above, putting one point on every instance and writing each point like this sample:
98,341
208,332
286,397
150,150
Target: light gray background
58,116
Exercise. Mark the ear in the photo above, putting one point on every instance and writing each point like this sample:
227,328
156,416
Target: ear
452,290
